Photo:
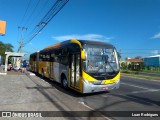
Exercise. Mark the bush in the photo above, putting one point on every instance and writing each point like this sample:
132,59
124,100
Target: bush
137,72
126,71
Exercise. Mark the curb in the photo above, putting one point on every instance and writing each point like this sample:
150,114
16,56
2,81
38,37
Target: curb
3,73
31,74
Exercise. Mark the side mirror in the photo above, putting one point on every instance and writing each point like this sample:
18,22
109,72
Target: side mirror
83,55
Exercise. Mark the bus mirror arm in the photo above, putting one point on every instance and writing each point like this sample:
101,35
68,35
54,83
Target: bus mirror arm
83,55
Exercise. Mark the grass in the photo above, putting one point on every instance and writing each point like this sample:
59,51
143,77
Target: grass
130,72
149,71
141,76
137,74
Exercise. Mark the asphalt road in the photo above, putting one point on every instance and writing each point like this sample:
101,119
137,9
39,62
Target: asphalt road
133,95
32,93
150,74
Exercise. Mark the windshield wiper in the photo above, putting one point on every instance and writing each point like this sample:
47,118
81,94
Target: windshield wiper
101,66
105,57
111,67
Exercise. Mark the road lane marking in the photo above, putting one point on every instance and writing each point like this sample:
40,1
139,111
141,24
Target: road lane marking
86,105
135,86
144,91
107,118
139,78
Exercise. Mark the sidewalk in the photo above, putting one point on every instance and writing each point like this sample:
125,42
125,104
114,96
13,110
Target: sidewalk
15,72
18,92
21,92
2,70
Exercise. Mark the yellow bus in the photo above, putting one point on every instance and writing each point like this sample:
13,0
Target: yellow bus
82,65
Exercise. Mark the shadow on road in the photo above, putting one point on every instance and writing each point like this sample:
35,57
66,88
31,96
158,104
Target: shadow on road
146,100
73,93
69,91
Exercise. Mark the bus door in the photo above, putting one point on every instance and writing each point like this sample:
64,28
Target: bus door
51,71
37,63
52,57
75,70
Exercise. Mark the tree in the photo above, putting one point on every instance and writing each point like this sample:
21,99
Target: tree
5,48
124,65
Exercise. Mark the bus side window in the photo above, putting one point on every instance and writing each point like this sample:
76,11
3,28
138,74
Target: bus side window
58,52
73,48
40,57
34,58
65,51
52,59
48,57
64,57
43,57
58,55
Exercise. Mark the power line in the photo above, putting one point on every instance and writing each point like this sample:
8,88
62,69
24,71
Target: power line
141,49
39,12
33,11
25,12
59,4
22,38
135,53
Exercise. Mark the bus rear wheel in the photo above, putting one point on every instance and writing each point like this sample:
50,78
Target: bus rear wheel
64,83
42,73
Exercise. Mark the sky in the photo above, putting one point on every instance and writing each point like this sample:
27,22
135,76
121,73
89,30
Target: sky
132,26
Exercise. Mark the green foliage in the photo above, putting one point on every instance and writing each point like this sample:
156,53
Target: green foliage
124,66
136,72
126,71
5,48
132,66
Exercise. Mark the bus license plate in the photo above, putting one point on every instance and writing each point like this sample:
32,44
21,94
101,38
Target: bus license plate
105,88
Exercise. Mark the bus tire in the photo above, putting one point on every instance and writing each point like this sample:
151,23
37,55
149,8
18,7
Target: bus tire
42,73
64,82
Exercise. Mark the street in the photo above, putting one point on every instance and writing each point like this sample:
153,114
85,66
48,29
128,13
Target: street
32,93
134,95
150,74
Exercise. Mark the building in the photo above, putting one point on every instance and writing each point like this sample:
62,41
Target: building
134,64
134,60
152,61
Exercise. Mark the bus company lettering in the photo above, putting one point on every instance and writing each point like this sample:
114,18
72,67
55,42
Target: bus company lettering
29,114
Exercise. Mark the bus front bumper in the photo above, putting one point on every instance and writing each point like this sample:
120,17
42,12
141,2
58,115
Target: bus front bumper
91,88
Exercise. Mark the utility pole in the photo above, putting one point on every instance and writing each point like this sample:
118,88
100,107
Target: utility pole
20,43
22,38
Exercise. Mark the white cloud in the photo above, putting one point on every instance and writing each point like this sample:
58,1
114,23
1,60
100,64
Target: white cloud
156,36
83,37
155,52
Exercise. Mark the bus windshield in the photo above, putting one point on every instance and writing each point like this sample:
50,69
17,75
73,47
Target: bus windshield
100,59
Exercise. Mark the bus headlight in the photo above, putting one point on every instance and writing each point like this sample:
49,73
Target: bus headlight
87,82
97,83
93,83
117,81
